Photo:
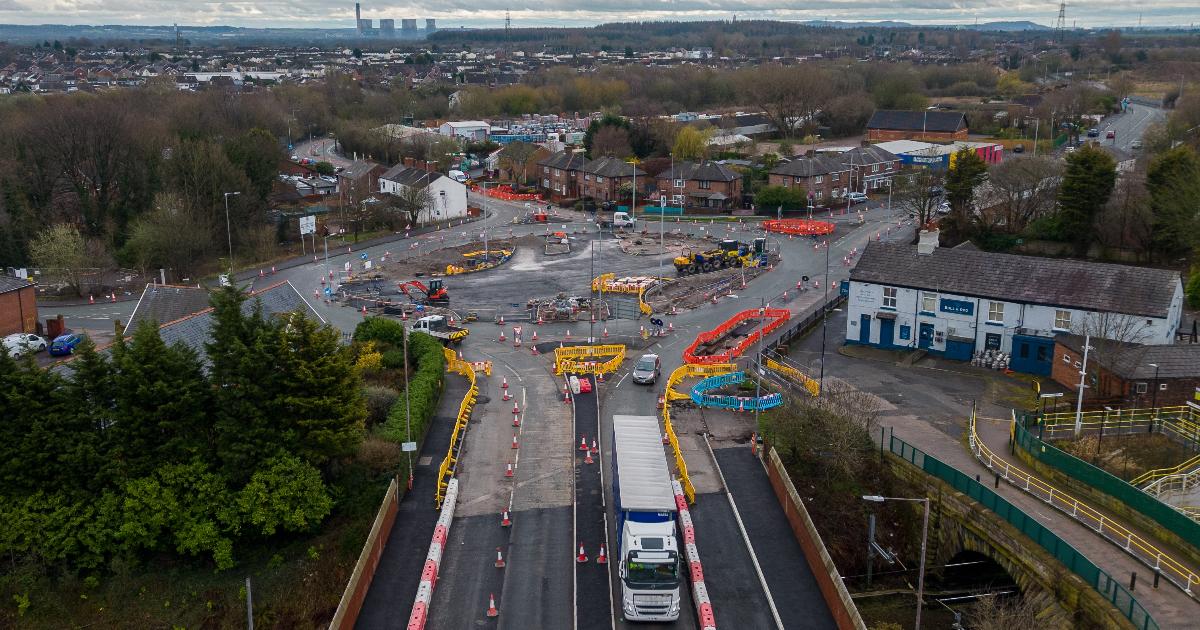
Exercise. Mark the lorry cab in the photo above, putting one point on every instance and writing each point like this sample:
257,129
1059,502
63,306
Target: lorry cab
649,570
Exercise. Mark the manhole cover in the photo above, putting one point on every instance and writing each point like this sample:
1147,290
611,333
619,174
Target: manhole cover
425,461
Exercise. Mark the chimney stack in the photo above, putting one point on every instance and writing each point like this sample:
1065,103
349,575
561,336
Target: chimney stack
927,242
358,17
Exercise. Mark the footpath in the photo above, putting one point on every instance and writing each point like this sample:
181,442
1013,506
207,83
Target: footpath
1169,605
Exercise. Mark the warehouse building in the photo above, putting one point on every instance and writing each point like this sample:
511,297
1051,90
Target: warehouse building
958,301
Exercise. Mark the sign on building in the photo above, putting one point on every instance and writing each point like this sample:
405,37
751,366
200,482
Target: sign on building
960,307
308,224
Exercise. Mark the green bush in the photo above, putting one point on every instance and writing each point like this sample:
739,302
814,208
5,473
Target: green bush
424,385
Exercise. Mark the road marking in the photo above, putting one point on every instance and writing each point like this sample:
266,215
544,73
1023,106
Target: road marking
622,380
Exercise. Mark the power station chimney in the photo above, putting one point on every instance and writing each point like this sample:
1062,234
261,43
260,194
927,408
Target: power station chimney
358,17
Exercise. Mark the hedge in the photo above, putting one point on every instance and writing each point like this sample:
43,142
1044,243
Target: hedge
424,385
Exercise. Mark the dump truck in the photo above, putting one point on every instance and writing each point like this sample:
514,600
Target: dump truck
438,326
648,551
728,253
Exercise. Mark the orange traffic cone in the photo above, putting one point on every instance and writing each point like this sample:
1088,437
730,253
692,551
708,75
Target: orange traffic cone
501,320
568,334
504,520
114,297
491,611
504,382
516,409
499,559
516,420
535,334
260,273
91,299
606,332
582,557
587,458
666,440
603,557
595,449
514,444
506,397
502,336
508,472
364,309
583,443
272,270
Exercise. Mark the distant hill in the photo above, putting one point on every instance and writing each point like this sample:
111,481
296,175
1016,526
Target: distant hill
839,24
1021,25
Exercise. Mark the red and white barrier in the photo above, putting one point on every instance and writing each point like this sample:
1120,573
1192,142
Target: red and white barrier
433,560
704,608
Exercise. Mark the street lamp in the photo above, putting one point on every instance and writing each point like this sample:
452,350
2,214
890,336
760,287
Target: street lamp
874,498
229,232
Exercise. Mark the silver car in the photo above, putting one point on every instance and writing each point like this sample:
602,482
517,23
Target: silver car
646,370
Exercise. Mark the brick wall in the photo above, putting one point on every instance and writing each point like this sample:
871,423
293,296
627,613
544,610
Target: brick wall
18,311
886,135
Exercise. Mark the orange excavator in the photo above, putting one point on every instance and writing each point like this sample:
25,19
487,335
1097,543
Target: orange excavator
433,295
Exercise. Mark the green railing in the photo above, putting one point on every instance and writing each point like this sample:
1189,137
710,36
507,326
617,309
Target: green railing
1136,500
1110,589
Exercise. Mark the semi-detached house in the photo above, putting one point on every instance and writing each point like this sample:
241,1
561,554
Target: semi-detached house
959,301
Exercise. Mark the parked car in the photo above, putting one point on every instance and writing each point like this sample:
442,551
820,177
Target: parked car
64,345
1110,134
857,197
1018,148
944,208
1093,133
1135,145
646,370
18,344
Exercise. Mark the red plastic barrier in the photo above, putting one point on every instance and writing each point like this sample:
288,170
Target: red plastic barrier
798,227
777,315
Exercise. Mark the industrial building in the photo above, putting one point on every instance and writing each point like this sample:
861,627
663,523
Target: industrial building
958,301
387,26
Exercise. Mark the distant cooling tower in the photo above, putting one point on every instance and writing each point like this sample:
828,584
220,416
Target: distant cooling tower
431,25
387,27
408,24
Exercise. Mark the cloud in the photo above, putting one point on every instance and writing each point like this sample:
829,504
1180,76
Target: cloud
490,13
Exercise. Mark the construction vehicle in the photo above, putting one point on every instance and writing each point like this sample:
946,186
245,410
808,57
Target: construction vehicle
433,295
437,326
648,554
728,253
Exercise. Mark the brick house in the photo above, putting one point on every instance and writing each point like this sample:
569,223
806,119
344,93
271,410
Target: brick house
825,177
18,306
890,124
701,185
602,178
362,177
1126,374
557,173
871,168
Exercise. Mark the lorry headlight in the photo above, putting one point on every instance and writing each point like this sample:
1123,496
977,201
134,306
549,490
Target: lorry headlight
629,609
675,605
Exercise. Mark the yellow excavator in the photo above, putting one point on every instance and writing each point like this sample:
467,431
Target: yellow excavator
728,253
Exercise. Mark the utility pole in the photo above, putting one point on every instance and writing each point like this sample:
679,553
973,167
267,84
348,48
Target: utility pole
407,412
758,371
824,321
229,233
1087,345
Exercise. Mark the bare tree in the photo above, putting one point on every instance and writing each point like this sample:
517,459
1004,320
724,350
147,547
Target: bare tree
411,203
791,96
1127,221
991,612
611,140
1116,341
1018,191
516,155
916,194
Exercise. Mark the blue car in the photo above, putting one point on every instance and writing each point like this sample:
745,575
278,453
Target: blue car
65,344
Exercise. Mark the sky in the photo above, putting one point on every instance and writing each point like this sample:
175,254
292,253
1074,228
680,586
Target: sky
490,13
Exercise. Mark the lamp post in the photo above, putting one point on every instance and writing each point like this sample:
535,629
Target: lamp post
1087,345
824,320
229,232
874,498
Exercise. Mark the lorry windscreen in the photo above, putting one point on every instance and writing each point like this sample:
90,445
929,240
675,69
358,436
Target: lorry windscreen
651,574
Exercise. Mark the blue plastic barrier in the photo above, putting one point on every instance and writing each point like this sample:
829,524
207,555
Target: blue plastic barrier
735,403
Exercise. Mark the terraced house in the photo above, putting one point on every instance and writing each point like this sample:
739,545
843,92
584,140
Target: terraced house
706,184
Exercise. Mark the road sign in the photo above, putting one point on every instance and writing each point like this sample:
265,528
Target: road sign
367,265
328,291
308,224
348,267
363,255
408,447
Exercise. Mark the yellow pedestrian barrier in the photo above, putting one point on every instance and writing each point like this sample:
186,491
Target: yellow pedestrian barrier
449,464
569,359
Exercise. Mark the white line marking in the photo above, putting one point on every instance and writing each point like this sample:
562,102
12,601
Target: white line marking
622,380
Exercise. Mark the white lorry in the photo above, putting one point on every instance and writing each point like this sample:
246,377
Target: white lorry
648,555
619,220
437,326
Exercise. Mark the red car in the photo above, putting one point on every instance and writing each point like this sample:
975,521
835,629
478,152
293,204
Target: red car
1110,134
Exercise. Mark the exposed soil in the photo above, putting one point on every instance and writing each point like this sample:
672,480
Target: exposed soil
1127,456
692,291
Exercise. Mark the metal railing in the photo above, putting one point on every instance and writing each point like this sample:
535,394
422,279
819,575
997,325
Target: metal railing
1144,551
1158,473
1179,422
1173,484
795,375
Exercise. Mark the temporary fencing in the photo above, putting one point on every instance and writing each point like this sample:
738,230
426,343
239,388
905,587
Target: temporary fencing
450,462
568,359
506,192
798,227
637,285
735,403
1097,578
1144,551
704,608
777,317
795,375
433,559
693,370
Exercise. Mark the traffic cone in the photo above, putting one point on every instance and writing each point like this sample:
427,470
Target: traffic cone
261,274
603,557
504,382
504,520
595,448
506,397
508,472
568,334
516,420
516,408
606,332
582,557
91,299
502,338
587,459
671,325
114,296
666,440
499,558
501,321
364,309
316,293
566,394
272,270
583,443
516,341
535,334
403,315
599,377
491,611
514,444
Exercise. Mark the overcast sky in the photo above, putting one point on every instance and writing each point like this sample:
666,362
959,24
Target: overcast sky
490,13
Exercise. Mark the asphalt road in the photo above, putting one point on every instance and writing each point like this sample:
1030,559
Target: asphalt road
1130,125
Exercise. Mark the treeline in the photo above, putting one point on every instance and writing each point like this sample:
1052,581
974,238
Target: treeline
149,449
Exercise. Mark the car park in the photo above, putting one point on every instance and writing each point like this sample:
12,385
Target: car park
65,344
646,370
18,344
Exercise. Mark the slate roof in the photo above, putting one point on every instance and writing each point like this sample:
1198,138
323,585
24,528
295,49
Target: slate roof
820,165
1132,362
868,155
927,120
609,166
12,283
1077,284
358,169
701,171
565,160
162,303
410,176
